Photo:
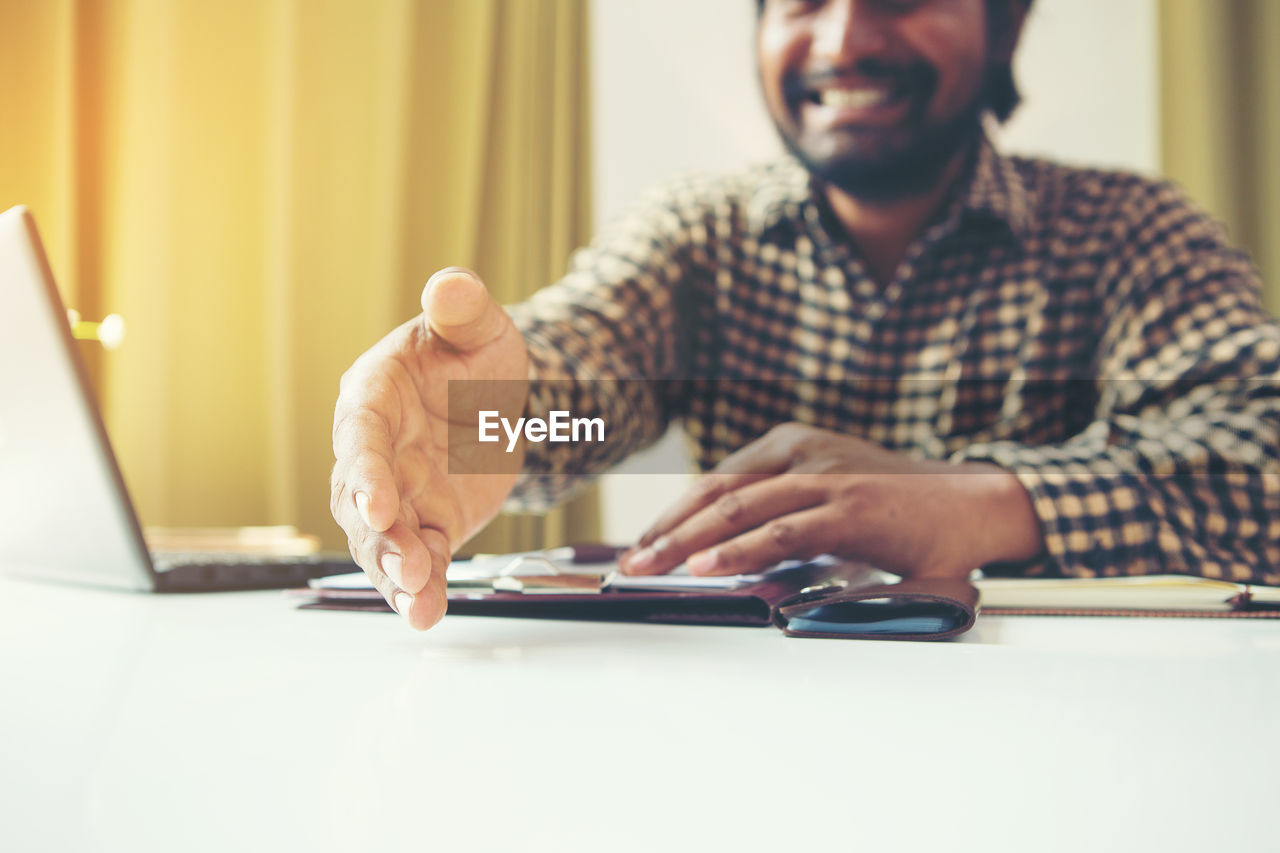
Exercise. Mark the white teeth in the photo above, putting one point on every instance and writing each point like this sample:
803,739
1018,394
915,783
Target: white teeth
853,98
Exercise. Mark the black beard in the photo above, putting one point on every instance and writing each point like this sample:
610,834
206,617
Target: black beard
907,173
879,174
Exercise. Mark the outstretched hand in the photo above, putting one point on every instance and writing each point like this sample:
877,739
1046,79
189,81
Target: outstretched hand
391,490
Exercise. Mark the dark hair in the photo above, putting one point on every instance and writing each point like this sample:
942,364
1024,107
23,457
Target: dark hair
1002,95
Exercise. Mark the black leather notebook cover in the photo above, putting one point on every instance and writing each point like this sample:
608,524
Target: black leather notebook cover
821,599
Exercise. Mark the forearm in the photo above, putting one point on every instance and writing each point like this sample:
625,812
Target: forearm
1142,507
623,416
602,342
1179,470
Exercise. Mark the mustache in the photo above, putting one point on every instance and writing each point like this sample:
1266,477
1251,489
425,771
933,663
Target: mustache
915,76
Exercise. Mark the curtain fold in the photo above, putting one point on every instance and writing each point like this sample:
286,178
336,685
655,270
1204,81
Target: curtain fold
534,187
261,189
1220,117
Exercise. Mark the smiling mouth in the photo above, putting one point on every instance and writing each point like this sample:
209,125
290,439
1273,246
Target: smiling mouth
862,98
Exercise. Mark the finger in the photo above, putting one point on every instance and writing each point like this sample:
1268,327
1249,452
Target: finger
769,455
705,490
363,475
796,536
427,606
383,584
734,512
360,545
460,310
436,542
428,603
397,552
349,507
406,555
434,538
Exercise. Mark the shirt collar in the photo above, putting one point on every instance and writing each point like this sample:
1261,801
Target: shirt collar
782,196
995,190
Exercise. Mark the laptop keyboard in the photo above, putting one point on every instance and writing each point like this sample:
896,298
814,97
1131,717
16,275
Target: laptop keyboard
213,570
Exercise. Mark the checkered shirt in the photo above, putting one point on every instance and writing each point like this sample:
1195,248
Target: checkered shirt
1090,331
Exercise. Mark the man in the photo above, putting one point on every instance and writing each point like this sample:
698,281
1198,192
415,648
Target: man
993,360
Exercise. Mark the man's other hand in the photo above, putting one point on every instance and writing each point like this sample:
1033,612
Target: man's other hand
391,491
800,491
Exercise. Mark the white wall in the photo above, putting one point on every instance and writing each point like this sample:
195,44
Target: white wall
1088,70
674,90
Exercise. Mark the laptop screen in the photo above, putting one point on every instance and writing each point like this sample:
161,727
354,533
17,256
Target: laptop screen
64,511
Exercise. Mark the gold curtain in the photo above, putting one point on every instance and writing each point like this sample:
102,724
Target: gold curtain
261,188
1220,108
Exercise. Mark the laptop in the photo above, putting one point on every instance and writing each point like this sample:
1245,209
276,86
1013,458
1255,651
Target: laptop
65,514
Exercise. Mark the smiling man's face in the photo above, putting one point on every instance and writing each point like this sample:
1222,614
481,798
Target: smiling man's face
876,97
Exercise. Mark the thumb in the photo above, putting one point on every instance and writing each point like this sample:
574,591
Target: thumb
458,308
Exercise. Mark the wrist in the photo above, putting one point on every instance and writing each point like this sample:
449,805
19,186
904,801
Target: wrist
1001,521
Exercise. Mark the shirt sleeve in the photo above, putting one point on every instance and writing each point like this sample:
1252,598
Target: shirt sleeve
602,343
1179,470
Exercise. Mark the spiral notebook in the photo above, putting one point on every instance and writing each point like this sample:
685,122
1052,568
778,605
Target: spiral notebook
1142,595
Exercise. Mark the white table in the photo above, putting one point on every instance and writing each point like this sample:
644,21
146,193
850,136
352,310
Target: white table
234,721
